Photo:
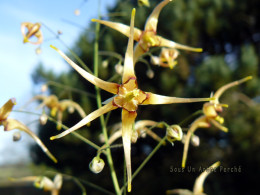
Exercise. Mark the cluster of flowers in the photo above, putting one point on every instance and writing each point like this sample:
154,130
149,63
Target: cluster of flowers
128,96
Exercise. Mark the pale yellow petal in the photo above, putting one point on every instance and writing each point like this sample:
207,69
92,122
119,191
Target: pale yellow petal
107,86
6,109
171,44
128,119
198,185
160,99
11,124
151,22
129,64
122,28
138,51
198,123
93,115
222,89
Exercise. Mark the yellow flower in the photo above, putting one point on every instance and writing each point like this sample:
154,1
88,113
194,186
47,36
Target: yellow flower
43,182
167,58
127,96
210,117
10,124
198,185
58,107
144,3
148,37
33,30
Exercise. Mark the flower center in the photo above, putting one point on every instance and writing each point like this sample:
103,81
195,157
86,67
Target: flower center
129,96
148,39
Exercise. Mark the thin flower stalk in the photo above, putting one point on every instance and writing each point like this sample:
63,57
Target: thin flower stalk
148,37
127,97
57,107
210,115
10,124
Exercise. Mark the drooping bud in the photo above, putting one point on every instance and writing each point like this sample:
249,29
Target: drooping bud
44,88
16,136
173,133
38,50
105,64
43,119
134,137
96,165
77,12
119,69
150,73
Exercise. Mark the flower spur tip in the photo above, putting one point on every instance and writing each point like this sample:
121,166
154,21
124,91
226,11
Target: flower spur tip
53,47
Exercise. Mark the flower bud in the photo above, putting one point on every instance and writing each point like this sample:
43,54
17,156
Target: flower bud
71,109
38,50
119,68
173,133
155,60
134,137
96,165
16,136
105,64
44,88
150,73
77,12
43,119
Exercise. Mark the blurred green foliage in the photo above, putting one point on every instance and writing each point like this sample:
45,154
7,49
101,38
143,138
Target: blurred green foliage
228,32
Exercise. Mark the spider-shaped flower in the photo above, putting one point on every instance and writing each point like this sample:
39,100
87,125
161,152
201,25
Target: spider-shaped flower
57,106
33,30
148,37
127,97
211,116
11,124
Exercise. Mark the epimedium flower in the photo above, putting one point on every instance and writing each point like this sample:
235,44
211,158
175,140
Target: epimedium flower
210,115
43,182
127,97
198,185
30,30
167,58
57,107
148,37
11,124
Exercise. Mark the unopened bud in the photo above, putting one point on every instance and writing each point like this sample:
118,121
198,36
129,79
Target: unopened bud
16,136
119,68
173,133
195,140
134,137
43,119
71,109
44,88
44,183
59,32
77,12
150,73
38,50
96,165
105,64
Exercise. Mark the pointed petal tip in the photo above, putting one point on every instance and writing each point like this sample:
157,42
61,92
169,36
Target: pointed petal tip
53,47
93,20
129,186
248,78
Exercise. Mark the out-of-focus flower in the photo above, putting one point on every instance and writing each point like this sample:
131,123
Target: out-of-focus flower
211,116
16,136
198,185
167,58
127,97
58,107
148,37
43,182
38,50
30,30
77,12
97,165
144,3
10,124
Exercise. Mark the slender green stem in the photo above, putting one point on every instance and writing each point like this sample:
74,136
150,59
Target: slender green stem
102,119
70,50
190,117
65,127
